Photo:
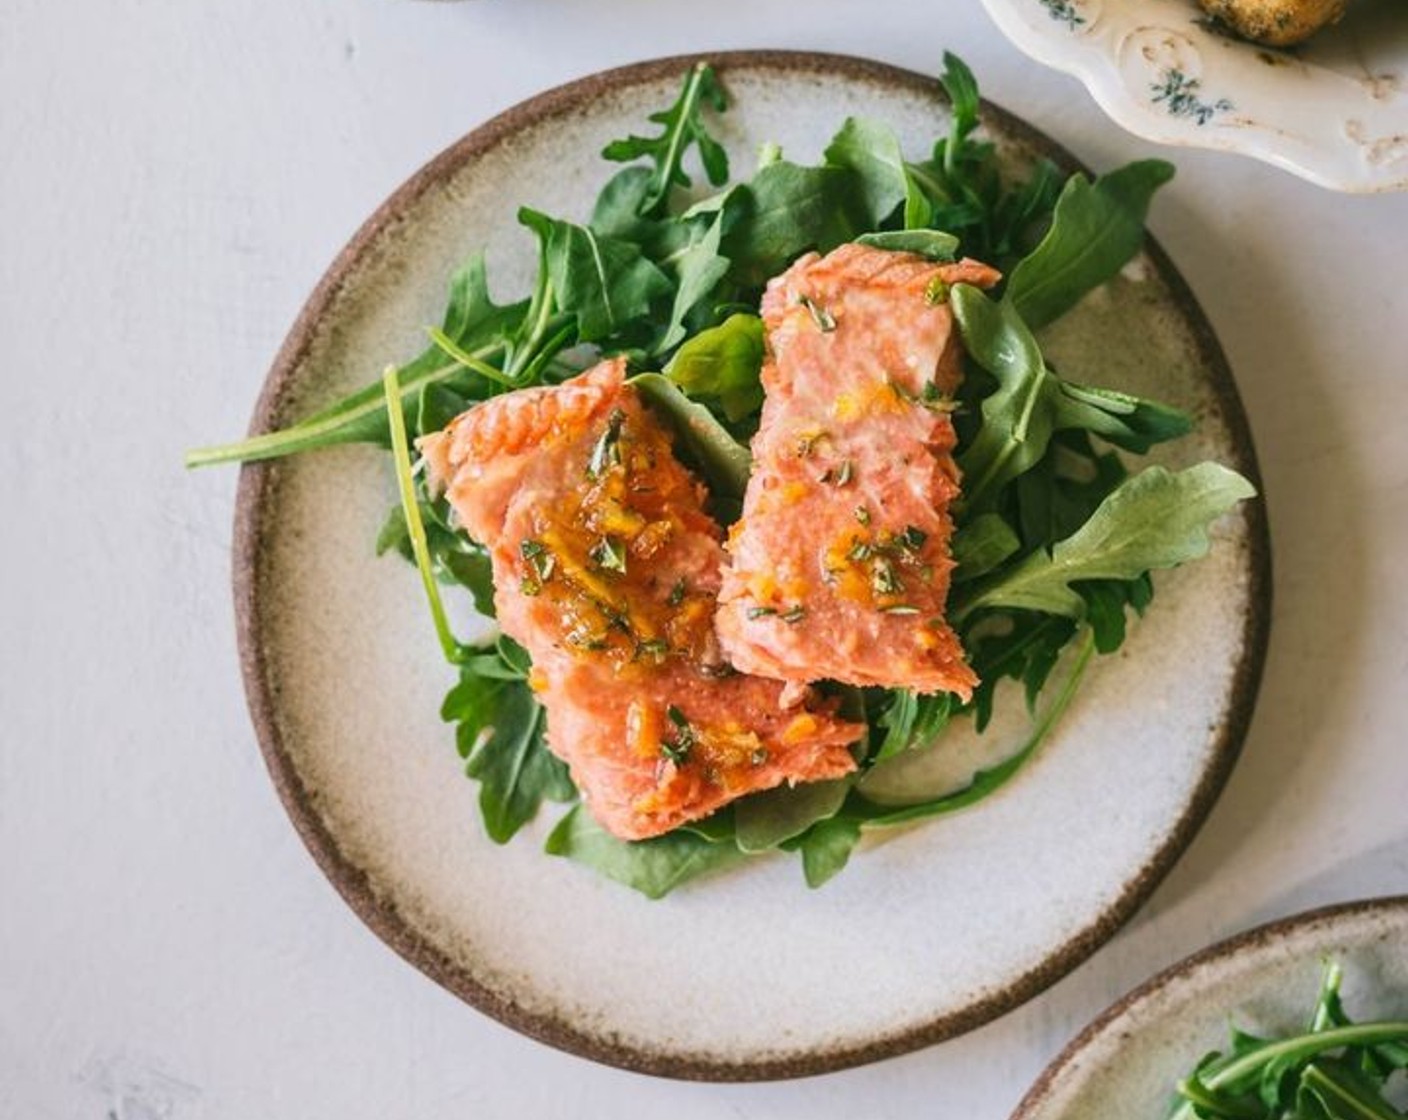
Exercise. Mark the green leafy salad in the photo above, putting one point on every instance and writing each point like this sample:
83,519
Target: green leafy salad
1335,1069
1054,536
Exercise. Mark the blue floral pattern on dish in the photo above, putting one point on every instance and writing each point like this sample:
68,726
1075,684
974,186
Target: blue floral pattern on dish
1063,11
1178,93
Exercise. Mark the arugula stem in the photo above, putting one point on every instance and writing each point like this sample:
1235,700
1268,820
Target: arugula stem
987,782
1329,988
410,509
674,153
452,349
326,428
546,353
539,314
1301,1046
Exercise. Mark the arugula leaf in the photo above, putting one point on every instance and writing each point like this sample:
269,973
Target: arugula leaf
654,867
722,366
786,210
724,462
698,268
911,721
617,210
980,545
872,152
764,820
1031,402
1017,419
500,735
1342,1092
826,848
1058,495
964,103
603,281
1096,229
1156,519
1017,645
986,782
931,243
683,125
453,556
1130,423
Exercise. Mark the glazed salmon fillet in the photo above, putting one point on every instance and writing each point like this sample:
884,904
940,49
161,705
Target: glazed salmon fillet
606,569
840,564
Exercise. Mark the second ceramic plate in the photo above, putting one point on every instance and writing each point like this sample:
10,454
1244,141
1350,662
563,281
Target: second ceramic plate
747,975
1129,1060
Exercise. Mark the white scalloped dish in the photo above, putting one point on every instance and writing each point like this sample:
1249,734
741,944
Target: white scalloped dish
1334,110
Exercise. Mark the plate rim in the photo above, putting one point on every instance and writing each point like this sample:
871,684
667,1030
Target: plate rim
380,914
1264,934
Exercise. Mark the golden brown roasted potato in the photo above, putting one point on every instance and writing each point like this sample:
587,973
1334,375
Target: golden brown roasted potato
1277,23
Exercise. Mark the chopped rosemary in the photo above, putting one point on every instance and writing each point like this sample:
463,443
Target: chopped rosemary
795,614
913,538
607,451
760,612
759,756
677,749
900,608
609,554
860,552
824,320
863,515
677,593
542,561
845,473
883,579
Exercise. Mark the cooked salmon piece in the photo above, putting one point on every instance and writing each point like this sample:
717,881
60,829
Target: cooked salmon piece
607,569
840,564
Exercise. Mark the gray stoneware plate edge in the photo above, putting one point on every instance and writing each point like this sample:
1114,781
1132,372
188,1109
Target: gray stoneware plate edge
382,912
1245,968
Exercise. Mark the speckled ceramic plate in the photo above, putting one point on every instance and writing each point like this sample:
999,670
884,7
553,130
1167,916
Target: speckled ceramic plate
1128,1061
1333,110
931,931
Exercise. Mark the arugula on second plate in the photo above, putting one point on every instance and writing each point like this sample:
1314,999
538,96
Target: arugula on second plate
1054,539
1335,1069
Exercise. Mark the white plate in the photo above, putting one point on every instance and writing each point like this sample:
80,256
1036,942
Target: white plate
1129,1060
748,975
1334,110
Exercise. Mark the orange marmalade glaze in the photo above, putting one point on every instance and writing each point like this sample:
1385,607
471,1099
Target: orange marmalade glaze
596,553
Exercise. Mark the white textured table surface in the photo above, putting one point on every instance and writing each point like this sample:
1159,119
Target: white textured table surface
174,177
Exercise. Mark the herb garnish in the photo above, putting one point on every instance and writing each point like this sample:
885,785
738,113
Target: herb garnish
606,453
539,558
678,749
608,554
823,318
912,538
883,579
